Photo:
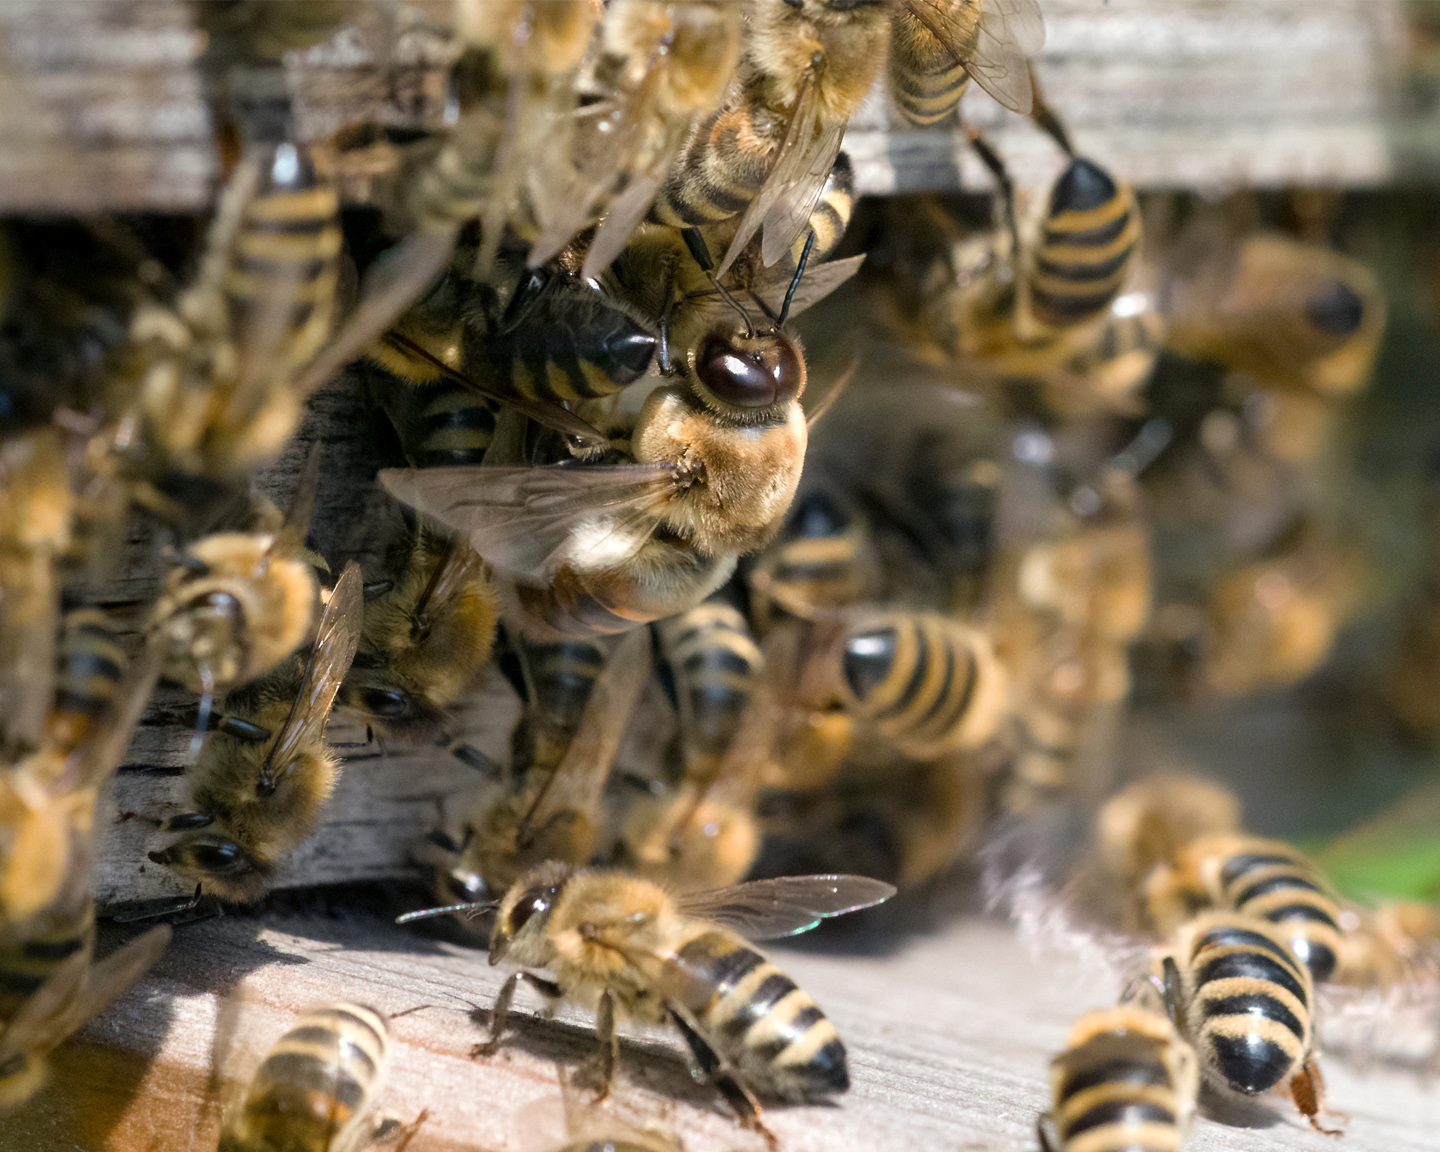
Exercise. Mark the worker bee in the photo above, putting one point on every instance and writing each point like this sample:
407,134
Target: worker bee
1268,879
1125,1080
937,45
822,560
315,1090
425,638
259,784
1289,314
1242,1000
619,944
90,664
238,603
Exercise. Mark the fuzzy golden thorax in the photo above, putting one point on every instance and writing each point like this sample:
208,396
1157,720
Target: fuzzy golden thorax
235,609
738,480
852,41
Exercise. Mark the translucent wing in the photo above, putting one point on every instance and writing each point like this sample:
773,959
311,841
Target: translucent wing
814,286
527,522
789,194
336,639
102,753
108,978
580,779
461,566
544,413
1009,32
787,906
290,539
623,216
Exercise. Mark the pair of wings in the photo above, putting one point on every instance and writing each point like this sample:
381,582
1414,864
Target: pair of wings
1007,33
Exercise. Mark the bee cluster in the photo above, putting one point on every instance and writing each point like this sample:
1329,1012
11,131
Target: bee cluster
748,638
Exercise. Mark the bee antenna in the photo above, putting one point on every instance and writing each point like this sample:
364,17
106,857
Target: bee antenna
1046,119
700,252
992,161
795,280
472,909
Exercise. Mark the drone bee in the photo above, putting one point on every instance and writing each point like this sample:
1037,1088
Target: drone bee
425,637
1125,1080
262,778
619,944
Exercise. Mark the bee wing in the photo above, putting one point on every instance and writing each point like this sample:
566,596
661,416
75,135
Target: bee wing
1009,32
624,214
101,754
524,521
290,539
460,566
336,639
110,977
789,194
817,283
785,906
580,778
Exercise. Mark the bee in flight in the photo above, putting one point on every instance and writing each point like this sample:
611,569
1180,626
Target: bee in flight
623,945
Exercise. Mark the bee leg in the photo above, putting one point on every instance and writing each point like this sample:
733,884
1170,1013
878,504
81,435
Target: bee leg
1307,1090
607,1055
1043,1133
547,988
1172,992
736,1094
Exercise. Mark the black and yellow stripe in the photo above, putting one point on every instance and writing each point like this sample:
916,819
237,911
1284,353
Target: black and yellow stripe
89,664
1278,883
817,562
285,253
1126,1082
927,72
715,665
722,167
558,681
316,1083
1247,1001
927,683
830,216
759,1020
1089,236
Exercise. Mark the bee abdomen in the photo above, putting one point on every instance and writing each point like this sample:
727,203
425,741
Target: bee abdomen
315,1082
452,428
1089,237
760,1020
90,663
830,216
719,173
716,663
1284,889
927,76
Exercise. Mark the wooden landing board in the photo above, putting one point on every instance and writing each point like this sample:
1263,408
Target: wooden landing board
949,1032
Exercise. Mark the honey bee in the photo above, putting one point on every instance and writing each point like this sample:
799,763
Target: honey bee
937,45
1245,1004
1289,314
90,665
1125,1080
622,945
425,637
315,1090
822,560
238,603
256,797
1268,879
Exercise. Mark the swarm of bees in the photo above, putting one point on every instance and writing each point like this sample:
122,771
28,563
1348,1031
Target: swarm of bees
869,605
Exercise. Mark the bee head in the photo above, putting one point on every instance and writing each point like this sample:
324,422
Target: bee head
748,373
525,910
218,863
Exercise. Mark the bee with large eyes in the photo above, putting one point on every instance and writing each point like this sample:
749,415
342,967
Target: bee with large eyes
262,778
623,946
592,549
426,636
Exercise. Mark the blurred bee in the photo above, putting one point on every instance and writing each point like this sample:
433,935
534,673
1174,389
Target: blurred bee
217,375
822,560
261,779
1125,1080
89,666
936,46
554,812
238,603
315,1090
1239,996
927,683
596,549
1289,314
427,634
619,944
1268,879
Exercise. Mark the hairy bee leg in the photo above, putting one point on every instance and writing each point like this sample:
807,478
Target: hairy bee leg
736,1094
547,988
607,1055
1307,1090
411,1129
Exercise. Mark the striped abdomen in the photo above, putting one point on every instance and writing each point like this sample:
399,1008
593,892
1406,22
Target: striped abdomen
561,340
1089,235
927,73
558,681
819,561
722,167
1272,880
1125,1083
928,684
47,940
715,664
313,1089
830,216
757,1019
284,260
89,664
1247,1002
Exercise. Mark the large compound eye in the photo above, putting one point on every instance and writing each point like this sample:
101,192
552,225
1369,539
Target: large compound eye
534,900
754,374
